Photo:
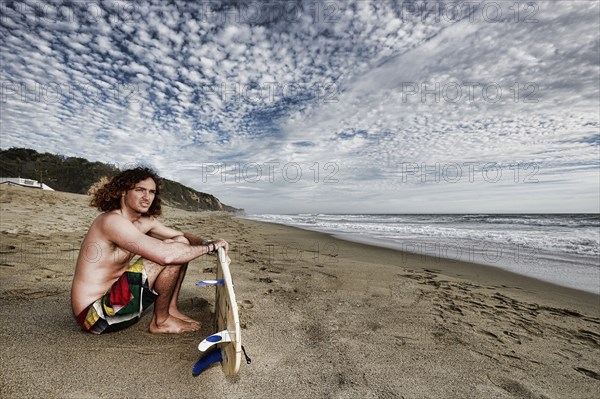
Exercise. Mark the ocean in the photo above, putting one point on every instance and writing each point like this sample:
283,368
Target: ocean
559,248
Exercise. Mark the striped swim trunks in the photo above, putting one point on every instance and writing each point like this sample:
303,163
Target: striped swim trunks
122,305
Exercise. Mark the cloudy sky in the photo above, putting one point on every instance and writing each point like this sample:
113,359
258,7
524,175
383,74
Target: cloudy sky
318,106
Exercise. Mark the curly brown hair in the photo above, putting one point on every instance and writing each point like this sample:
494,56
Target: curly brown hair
108,197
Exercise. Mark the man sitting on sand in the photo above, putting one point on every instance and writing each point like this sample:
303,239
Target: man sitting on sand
109,292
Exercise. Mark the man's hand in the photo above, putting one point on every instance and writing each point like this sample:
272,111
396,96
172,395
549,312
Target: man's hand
220,243
213,245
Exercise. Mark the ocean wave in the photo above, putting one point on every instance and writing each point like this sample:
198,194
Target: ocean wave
578,235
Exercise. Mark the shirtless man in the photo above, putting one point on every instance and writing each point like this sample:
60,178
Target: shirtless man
109,292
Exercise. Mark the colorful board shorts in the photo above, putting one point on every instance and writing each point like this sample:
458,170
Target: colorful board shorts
122,305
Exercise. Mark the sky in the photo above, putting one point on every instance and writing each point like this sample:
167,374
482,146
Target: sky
318,106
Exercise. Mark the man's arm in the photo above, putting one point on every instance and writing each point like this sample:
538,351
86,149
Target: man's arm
161,231
121,232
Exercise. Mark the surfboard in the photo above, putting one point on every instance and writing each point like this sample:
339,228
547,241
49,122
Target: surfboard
228,340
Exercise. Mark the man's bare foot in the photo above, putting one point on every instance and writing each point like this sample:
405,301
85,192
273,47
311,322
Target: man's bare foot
181,316
172,325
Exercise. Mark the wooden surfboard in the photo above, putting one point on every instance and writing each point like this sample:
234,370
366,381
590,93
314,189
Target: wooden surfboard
228,337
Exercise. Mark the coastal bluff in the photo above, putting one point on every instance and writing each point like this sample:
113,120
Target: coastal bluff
76,175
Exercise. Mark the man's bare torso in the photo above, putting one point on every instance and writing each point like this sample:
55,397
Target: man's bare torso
100,262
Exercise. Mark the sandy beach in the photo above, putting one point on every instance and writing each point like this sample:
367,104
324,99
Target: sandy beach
321,318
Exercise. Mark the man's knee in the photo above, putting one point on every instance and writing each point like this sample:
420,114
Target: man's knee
154,271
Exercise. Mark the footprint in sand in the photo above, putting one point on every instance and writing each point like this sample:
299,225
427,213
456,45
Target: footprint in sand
588,337
514,337
247,304
490,335
514,388
588,373
400,340
569,354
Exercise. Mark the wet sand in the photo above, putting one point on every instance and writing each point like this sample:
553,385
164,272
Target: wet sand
321,318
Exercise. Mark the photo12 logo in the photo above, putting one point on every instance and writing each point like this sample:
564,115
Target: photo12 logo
254,172
46,13
487,252
468,92
59,92
516,11
272,92
264,12
454,172
31,253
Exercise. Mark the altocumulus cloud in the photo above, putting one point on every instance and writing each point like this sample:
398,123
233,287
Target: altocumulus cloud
324,106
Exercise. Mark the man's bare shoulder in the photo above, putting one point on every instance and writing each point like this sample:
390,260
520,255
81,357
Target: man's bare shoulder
109,217
112,222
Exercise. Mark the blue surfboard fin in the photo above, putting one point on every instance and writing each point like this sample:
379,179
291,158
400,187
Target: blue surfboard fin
209,358
208,283
217,338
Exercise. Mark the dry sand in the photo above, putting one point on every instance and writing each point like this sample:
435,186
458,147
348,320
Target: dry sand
321,318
